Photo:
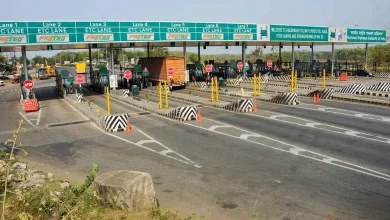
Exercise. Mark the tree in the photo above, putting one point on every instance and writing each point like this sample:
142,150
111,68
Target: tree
192,57
159,52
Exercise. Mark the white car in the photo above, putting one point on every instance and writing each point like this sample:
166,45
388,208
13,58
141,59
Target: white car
2,83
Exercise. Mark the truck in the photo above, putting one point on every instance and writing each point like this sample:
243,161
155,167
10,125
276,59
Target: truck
158,69
49,70
81,67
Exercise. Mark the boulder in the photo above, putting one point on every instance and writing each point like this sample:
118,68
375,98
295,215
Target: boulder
129,190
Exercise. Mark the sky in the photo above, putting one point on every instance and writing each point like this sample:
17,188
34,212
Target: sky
373,14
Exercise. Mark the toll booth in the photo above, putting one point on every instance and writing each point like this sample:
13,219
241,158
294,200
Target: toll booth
99,79
64,82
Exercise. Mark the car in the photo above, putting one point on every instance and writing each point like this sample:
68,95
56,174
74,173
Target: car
4,77
2,83
364,73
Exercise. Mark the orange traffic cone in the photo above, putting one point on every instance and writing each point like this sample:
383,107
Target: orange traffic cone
255,107
315,97
318,97
199,119
128,126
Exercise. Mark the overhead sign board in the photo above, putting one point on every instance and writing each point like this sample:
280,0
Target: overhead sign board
68,32
337,34
263,32
355,35
299,33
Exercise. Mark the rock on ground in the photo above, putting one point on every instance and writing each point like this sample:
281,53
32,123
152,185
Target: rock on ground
64,185
129,190
20,166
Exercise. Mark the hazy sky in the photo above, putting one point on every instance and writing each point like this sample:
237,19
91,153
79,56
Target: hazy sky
373,14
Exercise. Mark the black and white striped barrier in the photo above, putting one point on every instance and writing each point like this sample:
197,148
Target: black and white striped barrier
184,113
241,105
115,123
200,85
381,86
352,89
382,75
125,93
287,98
79,97
324,93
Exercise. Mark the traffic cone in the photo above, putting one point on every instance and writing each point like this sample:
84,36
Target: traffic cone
318,97
128,126
199,119
315,97
255,107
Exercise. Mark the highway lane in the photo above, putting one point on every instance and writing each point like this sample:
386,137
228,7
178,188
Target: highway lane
361,107
234,174
376,127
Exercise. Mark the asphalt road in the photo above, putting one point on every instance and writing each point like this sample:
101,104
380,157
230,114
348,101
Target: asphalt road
367,108
238,165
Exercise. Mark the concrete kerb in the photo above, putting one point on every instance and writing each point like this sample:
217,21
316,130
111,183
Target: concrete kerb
240,105
182,113
109,123
281,97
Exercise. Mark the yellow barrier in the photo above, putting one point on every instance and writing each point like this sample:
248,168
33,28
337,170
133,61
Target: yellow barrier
323,78
108,100
166,94
259,85
294,81
254,85
214,89
160,103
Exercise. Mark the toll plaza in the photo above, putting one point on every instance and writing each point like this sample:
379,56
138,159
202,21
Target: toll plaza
226,136
64,35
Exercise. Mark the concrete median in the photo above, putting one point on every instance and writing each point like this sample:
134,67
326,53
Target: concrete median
245,104
181,113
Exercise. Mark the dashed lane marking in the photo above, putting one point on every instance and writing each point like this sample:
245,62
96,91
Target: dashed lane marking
292,149
10,90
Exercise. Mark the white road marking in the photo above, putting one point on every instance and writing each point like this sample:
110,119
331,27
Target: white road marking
313,124
326,159
246,136
295,150
39,117
163,153
26,119
352,133
142,142
275,116
347,112
212,128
